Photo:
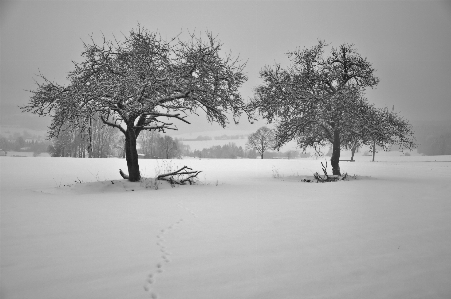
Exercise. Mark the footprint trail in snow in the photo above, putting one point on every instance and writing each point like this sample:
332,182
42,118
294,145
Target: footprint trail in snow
165,254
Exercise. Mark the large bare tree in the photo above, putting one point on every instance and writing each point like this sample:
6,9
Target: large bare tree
144,83
319,100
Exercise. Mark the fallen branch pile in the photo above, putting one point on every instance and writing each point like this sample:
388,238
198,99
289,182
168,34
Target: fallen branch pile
328,178
180,177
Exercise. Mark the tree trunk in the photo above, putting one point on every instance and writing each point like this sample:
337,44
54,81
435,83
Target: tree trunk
335,159
262,155
124,149
353,150
374,149
90,138
131,155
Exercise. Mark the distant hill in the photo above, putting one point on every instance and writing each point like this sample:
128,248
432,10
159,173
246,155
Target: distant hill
14,131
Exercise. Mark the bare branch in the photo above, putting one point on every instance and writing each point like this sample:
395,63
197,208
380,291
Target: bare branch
112,125
177,116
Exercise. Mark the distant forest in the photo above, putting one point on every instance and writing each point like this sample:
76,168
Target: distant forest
24,143
232,151
223,137
433,137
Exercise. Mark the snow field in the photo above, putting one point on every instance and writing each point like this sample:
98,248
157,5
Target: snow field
240,233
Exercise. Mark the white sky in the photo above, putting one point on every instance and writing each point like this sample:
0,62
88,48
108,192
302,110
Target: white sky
408,42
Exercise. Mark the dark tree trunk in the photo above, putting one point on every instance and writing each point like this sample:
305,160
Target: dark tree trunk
90,138
262,155
374,149
124,149
131,154
167,150
353,150
335,159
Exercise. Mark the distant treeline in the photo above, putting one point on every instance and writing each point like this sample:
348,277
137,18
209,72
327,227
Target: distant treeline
98,142
433,138
104,143
22,144
222,137
227,151
153,145
436,145
232,151
107,143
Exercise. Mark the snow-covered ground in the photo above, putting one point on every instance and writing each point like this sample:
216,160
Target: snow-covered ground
70,228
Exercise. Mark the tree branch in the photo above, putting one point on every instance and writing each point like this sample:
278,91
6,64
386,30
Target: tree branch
178,96
168,115
112,125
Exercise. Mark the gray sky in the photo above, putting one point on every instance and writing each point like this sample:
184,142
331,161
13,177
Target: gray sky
408,42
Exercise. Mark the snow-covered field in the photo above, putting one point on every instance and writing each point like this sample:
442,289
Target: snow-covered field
250,229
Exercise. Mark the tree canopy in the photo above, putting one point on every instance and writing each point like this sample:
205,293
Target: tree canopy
141,83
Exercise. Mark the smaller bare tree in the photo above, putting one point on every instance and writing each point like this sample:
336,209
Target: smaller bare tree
262,140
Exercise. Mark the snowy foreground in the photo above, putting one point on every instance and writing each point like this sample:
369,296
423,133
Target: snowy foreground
250,229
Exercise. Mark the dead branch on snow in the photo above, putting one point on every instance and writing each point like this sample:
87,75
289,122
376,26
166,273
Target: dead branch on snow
180,177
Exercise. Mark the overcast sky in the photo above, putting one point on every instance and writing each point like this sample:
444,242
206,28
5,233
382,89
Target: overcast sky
408,42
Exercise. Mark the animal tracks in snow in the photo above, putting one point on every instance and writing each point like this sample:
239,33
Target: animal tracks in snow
189,211
165,254
148,286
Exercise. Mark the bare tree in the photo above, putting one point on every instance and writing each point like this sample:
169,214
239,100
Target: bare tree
170,147
153,145
101,138
262,140
142,83
319,100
